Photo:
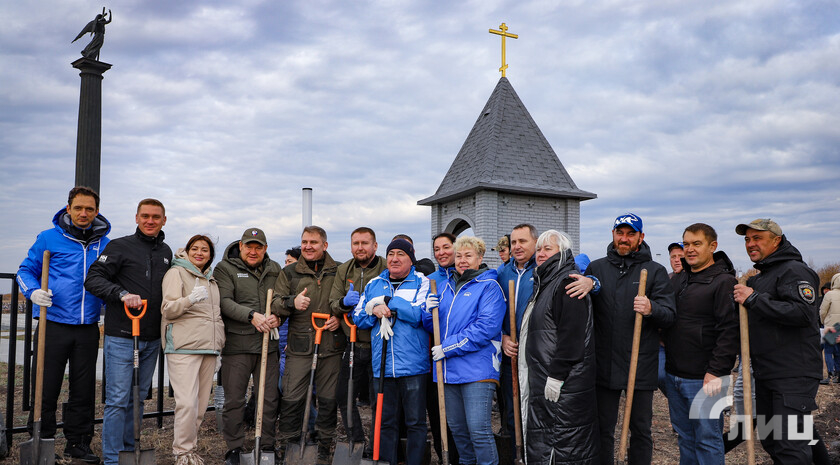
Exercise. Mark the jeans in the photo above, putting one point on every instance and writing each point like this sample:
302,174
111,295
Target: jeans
699,424
832,357
662,384
468,410
406,393
118,420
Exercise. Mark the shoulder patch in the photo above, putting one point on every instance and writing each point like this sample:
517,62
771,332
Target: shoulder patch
103,258
806,292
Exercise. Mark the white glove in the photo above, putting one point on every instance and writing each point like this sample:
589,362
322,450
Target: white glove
198,293
431,302
437,352
274,334
41,297
373,303
385,330
552,389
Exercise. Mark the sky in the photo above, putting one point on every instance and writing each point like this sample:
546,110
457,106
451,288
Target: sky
678,111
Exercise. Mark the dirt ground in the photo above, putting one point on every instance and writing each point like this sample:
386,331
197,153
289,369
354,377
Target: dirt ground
212,447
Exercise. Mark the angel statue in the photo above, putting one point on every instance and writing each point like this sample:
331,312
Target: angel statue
97,28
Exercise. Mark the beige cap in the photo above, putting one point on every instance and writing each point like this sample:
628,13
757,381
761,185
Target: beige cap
761,224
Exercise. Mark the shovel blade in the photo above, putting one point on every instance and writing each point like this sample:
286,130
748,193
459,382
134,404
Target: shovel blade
130,457
345,456
257,458
297,455
45,449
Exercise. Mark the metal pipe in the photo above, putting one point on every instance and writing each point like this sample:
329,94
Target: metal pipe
307,206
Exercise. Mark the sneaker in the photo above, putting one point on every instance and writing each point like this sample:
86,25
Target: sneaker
324,454
827,379
81,452
232,456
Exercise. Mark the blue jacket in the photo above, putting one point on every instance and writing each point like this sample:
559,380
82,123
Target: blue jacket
408,349
442,276
470,329
70,259
524,286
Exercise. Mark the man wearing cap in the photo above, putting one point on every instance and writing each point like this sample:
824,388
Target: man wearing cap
784,338
391,308
613,282
503,249
245,275
303,288
351,278
675,255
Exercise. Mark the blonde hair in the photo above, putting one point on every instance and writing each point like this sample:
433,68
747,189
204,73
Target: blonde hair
469,242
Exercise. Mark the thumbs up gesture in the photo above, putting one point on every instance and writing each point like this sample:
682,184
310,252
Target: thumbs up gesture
352,297
198,293
301,301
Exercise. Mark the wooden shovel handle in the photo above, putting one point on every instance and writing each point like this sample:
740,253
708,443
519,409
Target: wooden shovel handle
42,337
631,376
444,439
747,375
514,371
263,366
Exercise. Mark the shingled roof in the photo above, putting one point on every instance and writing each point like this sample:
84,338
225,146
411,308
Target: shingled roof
506,151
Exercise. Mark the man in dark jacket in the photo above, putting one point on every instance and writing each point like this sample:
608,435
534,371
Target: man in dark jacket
245,275
615,281
351,278
77,237
784,339
129,271
303,288
701,346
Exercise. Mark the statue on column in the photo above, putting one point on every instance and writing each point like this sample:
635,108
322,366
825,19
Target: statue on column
97,28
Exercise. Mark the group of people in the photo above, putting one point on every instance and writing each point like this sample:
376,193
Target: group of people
571,336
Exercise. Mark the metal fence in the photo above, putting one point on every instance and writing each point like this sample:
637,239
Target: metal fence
17,303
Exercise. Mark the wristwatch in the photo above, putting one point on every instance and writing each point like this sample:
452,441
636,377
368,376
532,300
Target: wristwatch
123,294
251,315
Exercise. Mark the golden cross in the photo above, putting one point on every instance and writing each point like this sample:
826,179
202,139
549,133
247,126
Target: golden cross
503,32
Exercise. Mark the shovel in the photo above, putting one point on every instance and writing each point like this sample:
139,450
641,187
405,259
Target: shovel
514,362
378,418
347,454
39,451
444,438
258,456
631,376
302,453
747,374
146,456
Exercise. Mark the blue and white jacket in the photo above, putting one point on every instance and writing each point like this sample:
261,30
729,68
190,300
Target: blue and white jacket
470,327
442,276
70,259
523,286
408,349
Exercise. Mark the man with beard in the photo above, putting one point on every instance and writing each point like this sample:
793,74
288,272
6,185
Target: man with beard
614,284
351,278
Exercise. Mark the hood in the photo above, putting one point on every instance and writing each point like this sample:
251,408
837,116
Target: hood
639,256
553,267
785,252
181,259
99,228
835,281
722,265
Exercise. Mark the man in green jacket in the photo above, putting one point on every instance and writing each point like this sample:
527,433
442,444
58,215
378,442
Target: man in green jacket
245,275
303,288
351,278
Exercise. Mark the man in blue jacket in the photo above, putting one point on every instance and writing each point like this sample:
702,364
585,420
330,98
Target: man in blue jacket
520,270
392,307
77,237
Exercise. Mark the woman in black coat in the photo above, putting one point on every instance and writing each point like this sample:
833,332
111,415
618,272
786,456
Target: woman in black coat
558,371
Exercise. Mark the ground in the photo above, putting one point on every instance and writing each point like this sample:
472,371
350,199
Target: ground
212,447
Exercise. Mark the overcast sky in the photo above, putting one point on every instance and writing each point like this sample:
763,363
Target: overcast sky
679,111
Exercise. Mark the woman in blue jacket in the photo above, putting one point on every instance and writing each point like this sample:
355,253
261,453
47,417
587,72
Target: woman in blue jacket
472,308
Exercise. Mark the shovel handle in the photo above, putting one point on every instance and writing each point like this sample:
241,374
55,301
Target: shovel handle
319,329
747,375
514,369
351,326
263,366
42,339
631,377
135,319
444,438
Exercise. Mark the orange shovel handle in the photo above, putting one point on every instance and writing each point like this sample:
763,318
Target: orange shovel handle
319,329
352,327
135,319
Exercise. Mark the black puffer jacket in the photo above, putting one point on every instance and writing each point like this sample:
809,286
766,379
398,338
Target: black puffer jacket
784,317
614,316
704,337
560,345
